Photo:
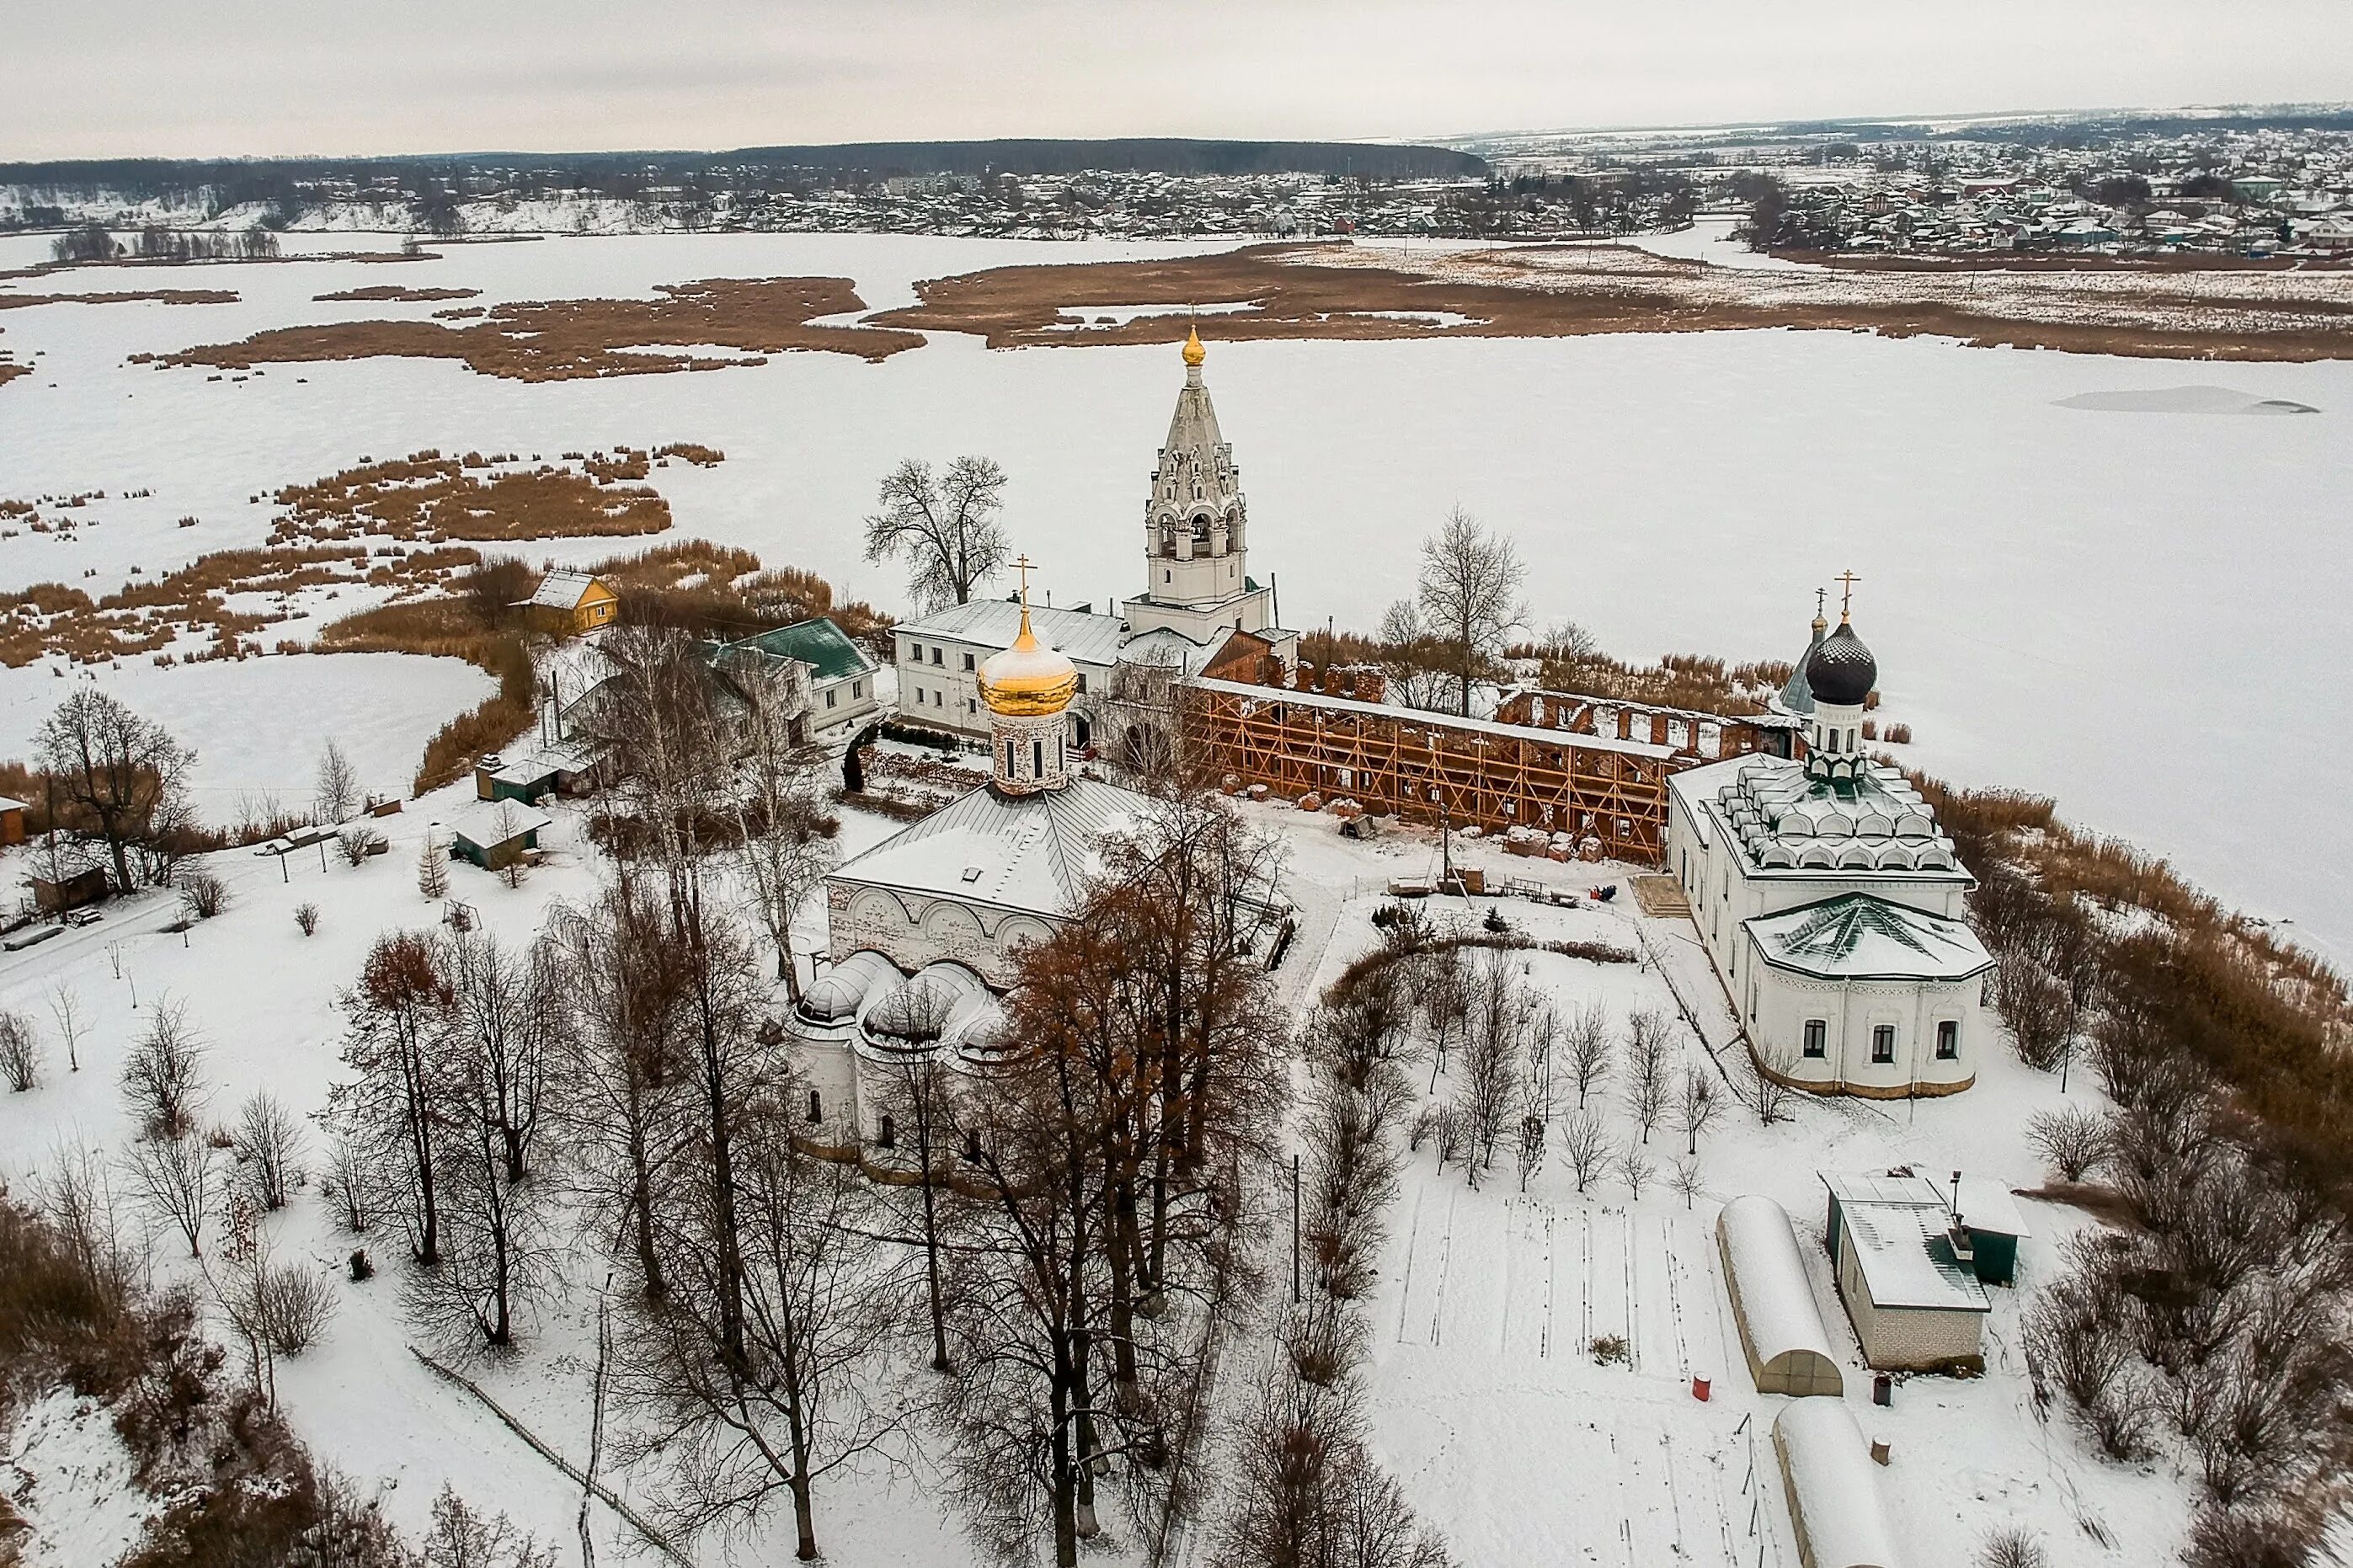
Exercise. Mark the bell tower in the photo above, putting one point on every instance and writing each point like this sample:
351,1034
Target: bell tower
1196,526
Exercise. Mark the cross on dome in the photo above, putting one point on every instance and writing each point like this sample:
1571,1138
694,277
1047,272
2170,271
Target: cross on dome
1846,599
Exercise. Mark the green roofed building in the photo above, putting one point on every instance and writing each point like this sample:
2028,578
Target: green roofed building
841,675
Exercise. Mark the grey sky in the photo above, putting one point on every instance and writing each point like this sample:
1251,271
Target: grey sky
106,77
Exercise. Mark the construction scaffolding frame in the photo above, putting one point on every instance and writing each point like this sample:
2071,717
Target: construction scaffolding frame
1425,767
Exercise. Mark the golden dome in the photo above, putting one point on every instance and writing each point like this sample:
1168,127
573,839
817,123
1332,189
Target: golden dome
1194,353
1029,679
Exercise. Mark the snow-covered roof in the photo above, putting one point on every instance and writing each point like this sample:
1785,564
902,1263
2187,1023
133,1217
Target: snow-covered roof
1776,1301
1034,853
487,824
1082,637
541,765
1985,1203
817,642
1789,825
1856,936
8,804
1566,739
1906,1258
1170,648
1833,1486
562,589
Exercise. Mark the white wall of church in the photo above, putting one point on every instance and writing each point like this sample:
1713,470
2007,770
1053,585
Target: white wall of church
1776,1007
912,930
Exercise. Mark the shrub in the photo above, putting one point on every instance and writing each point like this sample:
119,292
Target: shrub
306,916
2012,1547
356,843
203,895
20,1053
1611,1350
2074,1142
297,1301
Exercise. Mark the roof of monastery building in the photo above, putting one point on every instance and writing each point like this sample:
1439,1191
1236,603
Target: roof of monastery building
1857,937
1085,637
1788,823
1033,853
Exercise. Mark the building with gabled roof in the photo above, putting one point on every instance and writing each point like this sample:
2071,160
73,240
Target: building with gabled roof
842,688
574,602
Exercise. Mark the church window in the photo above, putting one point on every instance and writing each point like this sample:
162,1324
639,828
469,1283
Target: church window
816,1106
1883,1044
1082,683
887,1135
915,652
1167,577
1008,759
1948,1040
1038,759
1817,1038
967,661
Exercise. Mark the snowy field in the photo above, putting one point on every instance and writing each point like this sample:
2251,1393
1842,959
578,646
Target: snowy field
258,725
2105,605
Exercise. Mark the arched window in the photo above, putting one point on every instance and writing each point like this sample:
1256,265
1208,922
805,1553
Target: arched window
1948,1040
887,1135
816,1106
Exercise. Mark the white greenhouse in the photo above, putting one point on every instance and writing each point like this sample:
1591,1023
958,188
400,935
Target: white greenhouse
1781,1330
1833,1488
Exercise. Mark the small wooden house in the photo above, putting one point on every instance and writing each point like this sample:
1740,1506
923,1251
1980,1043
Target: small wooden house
493,835
572,602
530,779
12,822
55,895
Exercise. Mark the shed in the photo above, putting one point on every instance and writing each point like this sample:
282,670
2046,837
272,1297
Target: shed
493,835
69,889
528,779
1781,1330
1905,1274
12,821
1833,1488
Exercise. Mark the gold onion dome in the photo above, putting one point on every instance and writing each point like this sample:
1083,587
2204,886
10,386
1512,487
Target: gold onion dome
1193,351
1029,679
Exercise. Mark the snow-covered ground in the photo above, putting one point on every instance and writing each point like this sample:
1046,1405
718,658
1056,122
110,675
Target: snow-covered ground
2104,605
258,725
1485,1402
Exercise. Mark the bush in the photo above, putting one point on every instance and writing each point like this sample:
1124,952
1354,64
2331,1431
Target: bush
357,842
306,916
20,1053
1611,1350
297,1301
2013,1547
203,895
2074,1142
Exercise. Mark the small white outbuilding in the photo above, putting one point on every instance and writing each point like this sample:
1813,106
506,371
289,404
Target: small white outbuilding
1833,1487
1781,1326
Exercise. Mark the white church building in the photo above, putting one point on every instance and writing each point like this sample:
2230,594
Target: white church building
924,929
1831,904
1198,591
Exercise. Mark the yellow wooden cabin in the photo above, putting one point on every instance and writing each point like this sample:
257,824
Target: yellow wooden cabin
575,602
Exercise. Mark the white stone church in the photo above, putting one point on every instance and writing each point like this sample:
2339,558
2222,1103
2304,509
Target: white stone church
1198,591
1830,902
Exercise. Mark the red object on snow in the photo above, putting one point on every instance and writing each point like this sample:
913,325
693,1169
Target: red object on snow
1700,1389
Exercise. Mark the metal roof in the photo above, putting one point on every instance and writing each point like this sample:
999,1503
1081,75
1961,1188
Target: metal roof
487,824
1907,1258
817,642
1858,936
1080,636
1034,853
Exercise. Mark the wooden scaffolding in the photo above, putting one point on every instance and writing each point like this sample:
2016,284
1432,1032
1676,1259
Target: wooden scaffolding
1418,766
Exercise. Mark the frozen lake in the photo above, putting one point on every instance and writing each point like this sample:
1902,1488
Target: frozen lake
2131,610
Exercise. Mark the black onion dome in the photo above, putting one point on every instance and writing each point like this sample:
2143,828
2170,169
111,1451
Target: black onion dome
1842,671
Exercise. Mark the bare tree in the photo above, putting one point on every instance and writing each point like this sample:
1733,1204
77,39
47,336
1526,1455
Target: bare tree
1350,1174
2073,1141
74,1192
432,867
126,773
786,844
162,1074
495,1250
2013,1546
202,894
335,795
944,524
1646,1087
1413,664
461,1538
1769,1068
1586,1043
1687,1181
306,918
394,1112
1635,1169
1585,1144
1489,1082
1469,595
268,1149
508,1010
813,1307
357,842
915,1101
20,1053
65,1006
1697,1105
172,1179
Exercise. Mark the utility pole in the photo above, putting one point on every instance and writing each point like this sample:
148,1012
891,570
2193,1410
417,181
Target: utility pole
1294,1225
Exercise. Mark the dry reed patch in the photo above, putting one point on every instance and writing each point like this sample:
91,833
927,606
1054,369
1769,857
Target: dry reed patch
1320,291
122,296
395,291
10,370
427,496
724,591
566,339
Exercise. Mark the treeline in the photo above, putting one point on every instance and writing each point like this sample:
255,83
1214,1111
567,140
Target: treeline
2212,1324
95,242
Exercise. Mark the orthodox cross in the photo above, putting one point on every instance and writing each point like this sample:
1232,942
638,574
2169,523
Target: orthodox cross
1846,599
1021,564
1820,595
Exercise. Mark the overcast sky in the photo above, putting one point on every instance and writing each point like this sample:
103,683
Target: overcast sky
108,78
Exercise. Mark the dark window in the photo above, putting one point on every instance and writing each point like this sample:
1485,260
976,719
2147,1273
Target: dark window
972,1145
915,652
1082,683
967,661
1948,1040
1882,1043
888,1135
1817,1038
831,698
1038,758
817,1107
936,657
1008,759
